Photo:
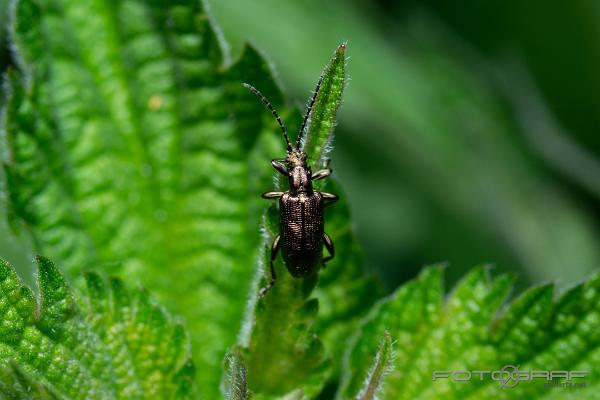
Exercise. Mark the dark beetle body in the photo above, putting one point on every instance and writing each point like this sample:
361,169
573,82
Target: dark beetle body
301,227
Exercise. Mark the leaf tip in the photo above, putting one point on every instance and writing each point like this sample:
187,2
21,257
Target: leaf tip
235,386
49,277
381,366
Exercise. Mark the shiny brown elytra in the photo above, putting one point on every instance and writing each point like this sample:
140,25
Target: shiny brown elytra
301,227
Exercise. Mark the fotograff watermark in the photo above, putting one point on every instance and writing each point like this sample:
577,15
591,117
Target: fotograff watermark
510,376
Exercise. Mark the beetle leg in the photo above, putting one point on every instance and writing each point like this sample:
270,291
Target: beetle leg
274,251
329,198
329,246
277,164
271,195
321,174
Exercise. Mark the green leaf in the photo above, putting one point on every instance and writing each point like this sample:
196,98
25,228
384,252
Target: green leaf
345,294
466,334
133,148
130,149
282,350
322,118
101,342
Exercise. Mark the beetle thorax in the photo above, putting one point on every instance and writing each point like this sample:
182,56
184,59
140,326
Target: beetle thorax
300,173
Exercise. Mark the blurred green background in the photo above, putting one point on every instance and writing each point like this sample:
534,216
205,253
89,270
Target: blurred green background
468,134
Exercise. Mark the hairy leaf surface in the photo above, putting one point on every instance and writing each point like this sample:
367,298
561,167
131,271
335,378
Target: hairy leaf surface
466,332
134,149
102,342
129,135
283,352
372,385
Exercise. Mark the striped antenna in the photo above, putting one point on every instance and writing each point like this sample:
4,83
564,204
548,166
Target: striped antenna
264,100
310,106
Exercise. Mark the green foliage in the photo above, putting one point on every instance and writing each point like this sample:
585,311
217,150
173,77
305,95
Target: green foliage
282,350
101,342
467,332
128,137
143,155
323,114
132,148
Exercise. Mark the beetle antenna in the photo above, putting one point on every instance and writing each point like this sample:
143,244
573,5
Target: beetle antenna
264,100
308,111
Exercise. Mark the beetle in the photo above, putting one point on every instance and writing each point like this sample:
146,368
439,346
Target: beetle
301,225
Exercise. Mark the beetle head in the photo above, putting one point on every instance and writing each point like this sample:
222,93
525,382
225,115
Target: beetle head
296,158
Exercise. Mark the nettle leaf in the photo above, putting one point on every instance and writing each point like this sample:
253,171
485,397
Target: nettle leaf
467,333
131,148
345,293
322,118
283,352
279,335
102,342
